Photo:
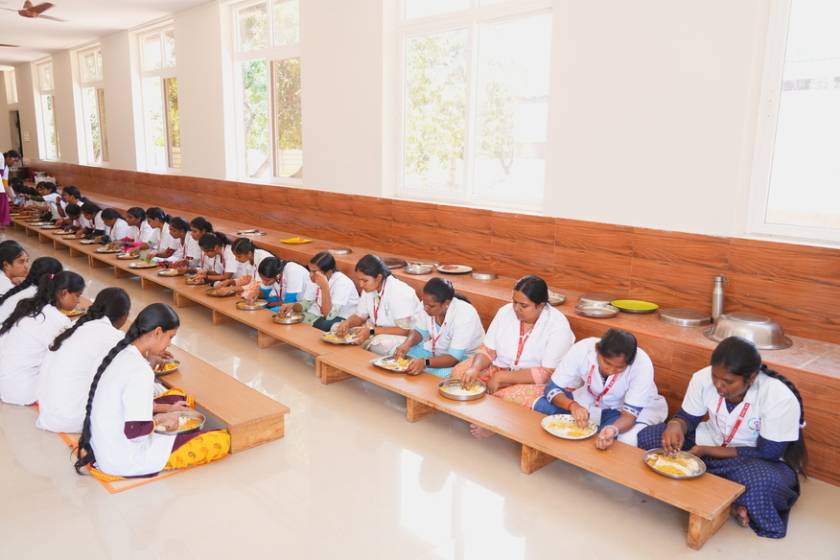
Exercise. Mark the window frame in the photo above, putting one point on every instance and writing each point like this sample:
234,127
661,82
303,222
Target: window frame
163,73
98,86
765,139
269,56
469,19
43,93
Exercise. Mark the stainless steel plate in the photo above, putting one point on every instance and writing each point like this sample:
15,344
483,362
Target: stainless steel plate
596,298
142,264
683,317
556,298
245,306
454,268
596,311
451,389
394,262
485,276
683,455
340,250
292,319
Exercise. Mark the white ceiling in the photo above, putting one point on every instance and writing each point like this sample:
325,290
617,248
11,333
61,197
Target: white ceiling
86,21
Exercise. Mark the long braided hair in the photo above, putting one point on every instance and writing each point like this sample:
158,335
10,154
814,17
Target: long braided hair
153,316
740,357
113,303
49,288
42,266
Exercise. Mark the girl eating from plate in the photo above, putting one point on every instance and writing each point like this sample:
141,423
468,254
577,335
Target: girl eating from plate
173,242
330,295
116,228
216,253
119,436
280,282
525,343
614,385
25,336
247,259
14,265
753,434
447,330
385,310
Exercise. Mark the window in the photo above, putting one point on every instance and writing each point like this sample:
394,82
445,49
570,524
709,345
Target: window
474,89
794,189
161,123
267,66
93,105
48,135
11,87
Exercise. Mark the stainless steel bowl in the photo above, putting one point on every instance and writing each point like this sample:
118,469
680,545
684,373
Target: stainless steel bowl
762,331
556,298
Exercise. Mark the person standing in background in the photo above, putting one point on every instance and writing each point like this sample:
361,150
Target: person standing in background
7,195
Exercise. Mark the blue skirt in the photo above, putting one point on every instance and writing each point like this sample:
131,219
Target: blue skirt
772,487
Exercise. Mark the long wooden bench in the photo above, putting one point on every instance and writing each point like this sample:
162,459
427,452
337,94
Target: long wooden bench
707,499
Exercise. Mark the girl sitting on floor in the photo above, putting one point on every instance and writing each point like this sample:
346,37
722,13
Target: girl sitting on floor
14,265
173,243
753,434
68,368
446,330
118,433
25,336
116,228
215,254
247,259
41,267
91,220
140,231
329,296
385,310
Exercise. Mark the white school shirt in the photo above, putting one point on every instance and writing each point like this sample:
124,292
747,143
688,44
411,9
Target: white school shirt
96,224
66,374
633,389
144,233
120,230
344,297
126,393
398,301
5,283
192,251
167,241
217,264
550,339
23,349
461,332
295,280
239,269
11,302
773,411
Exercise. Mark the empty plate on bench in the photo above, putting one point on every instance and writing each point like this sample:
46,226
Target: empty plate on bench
295,241
250,232
291,319
392,364
221,292
245,306
597,311
565,427
167,367
556,298
451,389
680,465
454,268
188,421
340,250
635,306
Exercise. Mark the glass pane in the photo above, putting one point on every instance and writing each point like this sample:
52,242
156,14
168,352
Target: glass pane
424,8
286,22
513,80
50,134
100,106
435,114
806,170
151,52
153,123
253,28
173,122
288,132
169,48
45,82
255,123
93,131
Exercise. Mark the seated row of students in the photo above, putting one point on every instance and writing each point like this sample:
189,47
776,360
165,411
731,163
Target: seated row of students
92,378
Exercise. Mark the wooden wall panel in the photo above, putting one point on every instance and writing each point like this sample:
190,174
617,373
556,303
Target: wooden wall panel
797,285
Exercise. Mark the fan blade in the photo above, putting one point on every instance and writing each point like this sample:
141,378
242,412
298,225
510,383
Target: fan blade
41,8
12,46
27,5
51,18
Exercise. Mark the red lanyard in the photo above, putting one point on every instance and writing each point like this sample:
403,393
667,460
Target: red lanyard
377,304
434,339
737,425
523,338
606,389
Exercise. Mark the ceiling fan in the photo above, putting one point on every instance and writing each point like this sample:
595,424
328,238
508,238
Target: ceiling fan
7,45
32,12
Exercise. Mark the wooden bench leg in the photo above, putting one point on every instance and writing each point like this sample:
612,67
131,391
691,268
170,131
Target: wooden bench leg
144,283
329,374
57,245
532,460
43,238
415,410
181,301
700,530
74,252
265,341
219,319
120,273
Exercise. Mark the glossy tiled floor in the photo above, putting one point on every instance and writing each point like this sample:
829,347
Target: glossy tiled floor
351,479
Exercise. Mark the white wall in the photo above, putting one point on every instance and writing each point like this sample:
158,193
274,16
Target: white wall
65,106
26,105
5,130
652,112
